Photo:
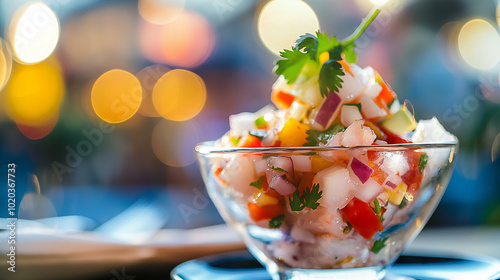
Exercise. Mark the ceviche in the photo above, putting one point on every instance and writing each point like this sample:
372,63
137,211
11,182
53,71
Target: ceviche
341,200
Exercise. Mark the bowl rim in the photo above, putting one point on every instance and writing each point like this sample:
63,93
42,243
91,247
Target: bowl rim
208,147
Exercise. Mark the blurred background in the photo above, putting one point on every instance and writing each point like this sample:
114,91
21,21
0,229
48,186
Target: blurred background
102,102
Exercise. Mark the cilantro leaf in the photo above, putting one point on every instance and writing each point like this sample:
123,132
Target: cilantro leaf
349,54
309,43
278,169
329,77
325,43
422,162
291,65
276,222
315,136
296,201
310,197
378,245
258,183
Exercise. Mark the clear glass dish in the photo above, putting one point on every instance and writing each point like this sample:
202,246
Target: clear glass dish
307,244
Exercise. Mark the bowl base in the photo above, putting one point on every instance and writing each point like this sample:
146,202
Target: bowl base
361,273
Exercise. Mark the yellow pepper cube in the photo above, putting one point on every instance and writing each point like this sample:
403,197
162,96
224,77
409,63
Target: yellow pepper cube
318,163
293,134
396,195
261,199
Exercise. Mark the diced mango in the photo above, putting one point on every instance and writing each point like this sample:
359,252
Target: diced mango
261,199
396,195
318,163
293,134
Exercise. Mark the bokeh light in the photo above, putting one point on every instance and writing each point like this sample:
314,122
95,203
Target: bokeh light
186,42
498,14
39,131
33,32
148,77
179,95
379,2
479,44
160,11
173,142
281,22
34,93
5,64
116,96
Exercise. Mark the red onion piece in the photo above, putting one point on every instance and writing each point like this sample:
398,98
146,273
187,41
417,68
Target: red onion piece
328,108
361,170
285,163
282,186
391,184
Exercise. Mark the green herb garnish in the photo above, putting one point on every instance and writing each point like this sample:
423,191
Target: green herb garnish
276,222
308,198
403,203
309,48
315,136
377,206
258,183
347,229
278,169
378,245
422,162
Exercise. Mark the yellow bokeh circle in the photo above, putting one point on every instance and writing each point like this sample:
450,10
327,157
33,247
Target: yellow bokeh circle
179,95
116,96
281,22
34,93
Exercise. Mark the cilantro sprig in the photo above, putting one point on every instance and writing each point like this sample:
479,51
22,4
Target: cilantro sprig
309,198
276,222
314,137
309,48
378,245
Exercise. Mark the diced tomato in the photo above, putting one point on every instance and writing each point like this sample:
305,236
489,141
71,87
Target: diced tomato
265,212
281,99
392,138
413,178
386,95
249,141
217,174
380,134
306,182
378,174
362,218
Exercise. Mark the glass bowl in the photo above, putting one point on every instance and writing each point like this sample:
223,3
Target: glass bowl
327,212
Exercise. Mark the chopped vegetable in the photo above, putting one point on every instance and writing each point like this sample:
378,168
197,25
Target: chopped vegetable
258,183
315,136
276,222
293,134
422,162
378,245
266,212
361,170
362,218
